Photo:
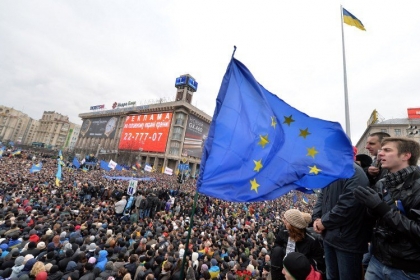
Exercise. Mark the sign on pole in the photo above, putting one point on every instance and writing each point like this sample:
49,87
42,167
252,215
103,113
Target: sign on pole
132,187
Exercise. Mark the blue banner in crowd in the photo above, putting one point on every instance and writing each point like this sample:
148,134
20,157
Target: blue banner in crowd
76,163
104,165
128,178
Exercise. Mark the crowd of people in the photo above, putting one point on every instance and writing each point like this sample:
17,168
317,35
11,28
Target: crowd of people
89,228
85,229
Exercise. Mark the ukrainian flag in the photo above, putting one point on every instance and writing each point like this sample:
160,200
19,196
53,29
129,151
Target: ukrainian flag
352,20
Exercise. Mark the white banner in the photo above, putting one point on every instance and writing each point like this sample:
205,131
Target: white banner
112,164
148,168
168,171
132,187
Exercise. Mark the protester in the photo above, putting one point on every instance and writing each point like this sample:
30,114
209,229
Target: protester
395,203
340,218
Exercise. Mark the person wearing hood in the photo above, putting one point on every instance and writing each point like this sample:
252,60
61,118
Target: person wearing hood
102,260
214,270
17,268
24,273
297,267
109,266
71,268
54,273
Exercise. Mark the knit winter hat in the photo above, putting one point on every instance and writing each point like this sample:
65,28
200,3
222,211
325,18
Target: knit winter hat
297,265
213,262
19,261
40,245
297,219
27,258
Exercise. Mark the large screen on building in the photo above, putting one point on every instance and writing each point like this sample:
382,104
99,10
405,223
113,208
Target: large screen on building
195,135
147,133
104,127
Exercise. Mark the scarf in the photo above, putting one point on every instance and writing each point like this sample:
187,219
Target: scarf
397,178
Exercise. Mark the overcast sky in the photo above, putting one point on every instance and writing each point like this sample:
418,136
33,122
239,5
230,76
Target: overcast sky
66,56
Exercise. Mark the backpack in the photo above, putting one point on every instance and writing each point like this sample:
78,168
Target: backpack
143,203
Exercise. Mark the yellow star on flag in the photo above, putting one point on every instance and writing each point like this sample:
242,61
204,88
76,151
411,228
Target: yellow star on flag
314,170
304,132
311,152
273,122
263,140
288,120
258,165
254,185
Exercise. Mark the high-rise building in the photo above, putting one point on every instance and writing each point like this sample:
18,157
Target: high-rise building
16,126
162,134
53,130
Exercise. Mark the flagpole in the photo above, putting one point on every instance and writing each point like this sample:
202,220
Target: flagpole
346,97
187,242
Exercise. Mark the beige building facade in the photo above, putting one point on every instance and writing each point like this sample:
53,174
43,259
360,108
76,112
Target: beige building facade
53,130
401,127
16,126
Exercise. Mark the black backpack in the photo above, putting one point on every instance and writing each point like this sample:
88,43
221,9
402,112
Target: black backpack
143,203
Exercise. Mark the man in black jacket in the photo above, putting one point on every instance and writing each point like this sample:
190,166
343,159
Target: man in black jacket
395,202
375,172
339,217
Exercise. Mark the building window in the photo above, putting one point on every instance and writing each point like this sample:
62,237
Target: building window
397,132
174,151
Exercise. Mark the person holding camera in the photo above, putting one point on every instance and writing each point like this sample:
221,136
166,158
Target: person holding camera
395,203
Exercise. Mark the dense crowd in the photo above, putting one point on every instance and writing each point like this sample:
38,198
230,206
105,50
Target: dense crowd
89,228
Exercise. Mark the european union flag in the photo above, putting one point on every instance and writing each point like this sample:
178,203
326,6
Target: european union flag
260,148
104,165
76,163
36,168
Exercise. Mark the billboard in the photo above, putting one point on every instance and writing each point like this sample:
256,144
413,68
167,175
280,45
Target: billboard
413,113
147,133
195,135
99,127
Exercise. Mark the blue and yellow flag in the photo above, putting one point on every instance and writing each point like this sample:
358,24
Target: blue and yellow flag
260,148
58,174
350,19
36,168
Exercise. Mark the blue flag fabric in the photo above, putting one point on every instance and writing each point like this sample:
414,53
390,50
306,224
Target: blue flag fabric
76,163
295,199
104,165
36,168
260,148
305,199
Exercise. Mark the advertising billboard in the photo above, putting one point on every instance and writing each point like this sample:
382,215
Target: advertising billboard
413,113
99,127
147,133
195,135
